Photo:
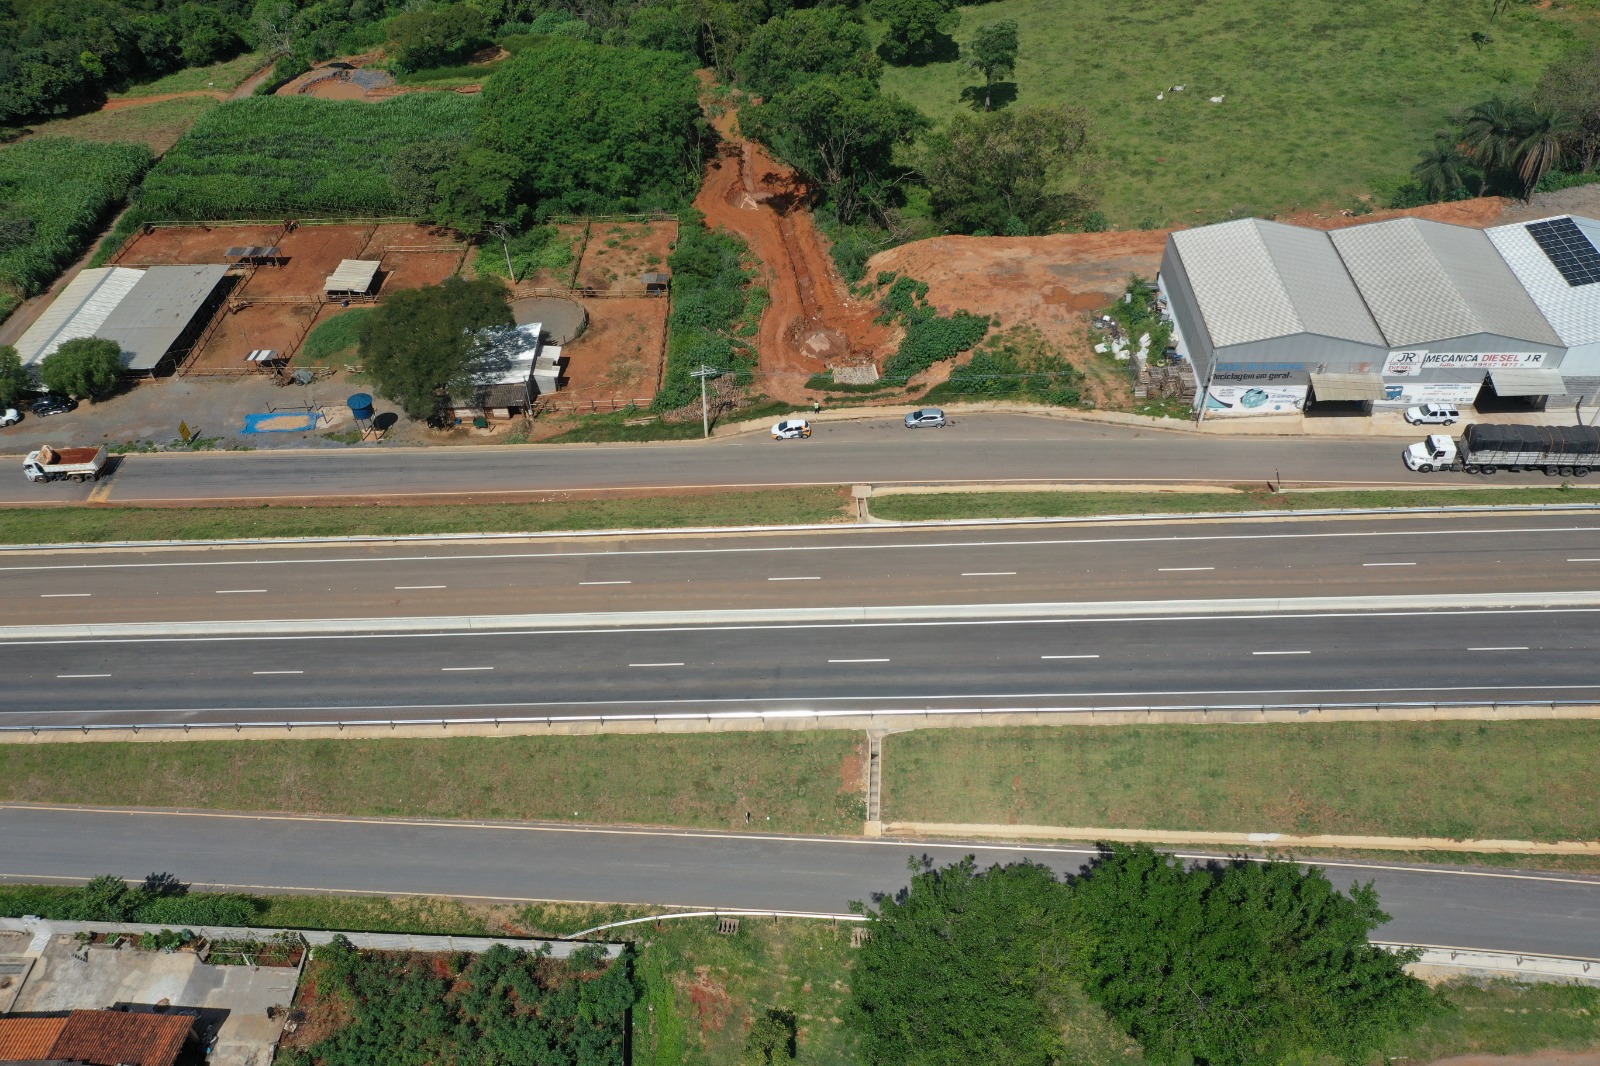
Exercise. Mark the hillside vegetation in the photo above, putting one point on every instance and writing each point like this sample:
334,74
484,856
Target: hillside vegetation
1321,102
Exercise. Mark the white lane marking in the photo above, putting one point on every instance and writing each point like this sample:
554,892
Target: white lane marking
605,582
1042,542
463,669
1583,560
701,834
234,592
655,664
794,579
1181,569
991,573
62,595
262,673
1301,652
1069,656
1507,648
1388,564
858,660
83,675
403,588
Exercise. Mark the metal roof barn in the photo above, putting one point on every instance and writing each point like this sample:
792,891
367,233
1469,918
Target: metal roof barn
79,311
145,311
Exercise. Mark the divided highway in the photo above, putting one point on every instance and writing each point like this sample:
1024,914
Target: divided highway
1550,914
976,448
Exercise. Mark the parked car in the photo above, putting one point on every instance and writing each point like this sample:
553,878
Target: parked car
1437,414
51,404
929,417
10,418
791,429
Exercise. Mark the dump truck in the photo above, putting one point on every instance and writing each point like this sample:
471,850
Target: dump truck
1570,451
73,464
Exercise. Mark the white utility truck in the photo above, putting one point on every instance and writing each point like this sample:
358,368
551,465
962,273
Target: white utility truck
55,464
1570,451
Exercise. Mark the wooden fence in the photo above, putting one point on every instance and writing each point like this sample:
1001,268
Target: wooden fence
553,405
638,292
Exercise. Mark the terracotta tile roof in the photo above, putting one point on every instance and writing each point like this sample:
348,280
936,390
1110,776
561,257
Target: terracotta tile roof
28,1038
113,1038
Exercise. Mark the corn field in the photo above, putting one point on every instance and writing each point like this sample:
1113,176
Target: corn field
287,157
55,195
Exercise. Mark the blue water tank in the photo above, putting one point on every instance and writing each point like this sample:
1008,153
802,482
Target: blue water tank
360,407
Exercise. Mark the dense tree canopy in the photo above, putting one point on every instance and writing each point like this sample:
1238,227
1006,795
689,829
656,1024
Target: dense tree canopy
569,126
1020,171
434,36
86,366
419,343
915,28
15,381
825,41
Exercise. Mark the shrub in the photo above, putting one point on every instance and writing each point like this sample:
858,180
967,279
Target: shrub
930,337
1017,363
713,298
85,366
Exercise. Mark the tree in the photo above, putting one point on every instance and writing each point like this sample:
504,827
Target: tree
992,53
15,381
1490,133
810,42
1441,170
588,129
1239,964
1028,170
771,1040
1543,145
916,28
419,343
841,133
84,367
961,968
433,37
416,173
1571,85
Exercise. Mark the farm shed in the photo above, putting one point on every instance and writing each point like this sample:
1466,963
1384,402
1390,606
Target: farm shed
518,368
354,277
1392,313
153,313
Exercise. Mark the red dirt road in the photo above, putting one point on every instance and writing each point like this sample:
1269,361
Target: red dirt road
812,322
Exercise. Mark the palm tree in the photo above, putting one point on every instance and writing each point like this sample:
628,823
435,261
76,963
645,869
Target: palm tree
1439,169
1543,146
1491,132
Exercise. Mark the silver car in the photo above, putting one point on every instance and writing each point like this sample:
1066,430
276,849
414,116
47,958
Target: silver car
926,418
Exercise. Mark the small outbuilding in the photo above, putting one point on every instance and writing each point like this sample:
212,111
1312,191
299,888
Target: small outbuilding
518,368
355,277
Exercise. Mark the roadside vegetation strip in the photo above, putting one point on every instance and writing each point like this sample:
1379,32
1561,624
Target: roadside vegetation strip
1457,780
73,525
944,506
801,782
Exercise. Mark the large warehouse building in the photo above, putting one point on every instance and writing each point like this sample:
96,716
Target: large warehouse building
1274,317
154,313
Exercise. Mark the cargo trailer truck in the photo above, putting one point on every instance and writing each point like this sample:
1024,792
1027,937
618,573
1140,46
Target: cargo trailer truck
1570,451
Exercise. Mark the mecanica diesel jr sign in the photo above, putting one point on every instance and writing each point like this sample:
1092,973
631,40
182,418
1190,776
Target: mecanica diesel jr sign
1410,364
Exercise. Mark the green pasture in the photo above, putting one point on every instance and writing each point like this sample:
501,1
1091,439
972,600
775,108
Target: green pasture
1321,101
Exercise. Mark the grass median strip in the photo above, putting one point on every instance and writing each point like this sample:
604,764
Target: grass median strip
1460,780
790,782
62,525
941,506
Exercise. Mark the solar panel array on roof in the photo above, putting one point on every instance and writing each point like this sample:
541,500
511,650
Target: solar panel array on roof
1569,250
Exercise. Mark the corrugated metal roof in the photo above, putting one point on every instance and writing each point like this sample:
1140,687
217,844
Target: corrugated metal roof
1429,281
1366,387
151,317
1254,280
1573,311
1528,382
353,275
78,310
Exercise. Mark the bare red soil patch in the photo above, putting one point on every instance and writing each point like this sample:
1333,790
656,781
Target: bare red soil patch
617,255
619,356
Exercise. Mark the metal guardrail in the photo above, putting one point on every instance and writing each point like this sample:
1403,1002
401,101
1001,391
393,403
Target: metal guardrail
444,724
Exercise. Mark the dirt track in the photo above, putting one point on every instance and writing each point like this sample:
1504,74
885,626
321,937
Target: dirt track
812,322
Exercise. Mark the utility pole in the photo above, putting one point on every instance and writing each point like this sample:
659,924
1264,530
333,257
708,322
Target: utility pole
499,230
705,412
1205,397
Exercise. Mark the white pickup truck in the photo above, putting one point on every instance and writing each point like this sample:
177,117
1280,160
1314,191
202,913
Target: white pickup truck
55,464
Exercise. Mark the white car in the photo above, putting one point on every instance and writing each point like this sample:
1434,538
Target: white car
11,417
1435,414
791,429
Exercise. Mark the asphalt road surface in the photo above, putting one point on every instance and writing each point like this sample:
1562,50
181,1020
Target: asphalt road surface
1352,657
846,566
1552,914
977,448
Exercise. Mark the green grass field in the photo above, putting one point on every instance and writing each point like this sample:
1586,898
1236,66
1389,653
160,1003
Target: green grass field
1321,100
938,506
157,126
223,77
802,782
1514,780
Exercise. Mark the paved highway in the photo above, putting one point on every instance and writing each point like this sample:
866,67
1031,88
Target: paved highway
847,566
978,448
953,666
1493,910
